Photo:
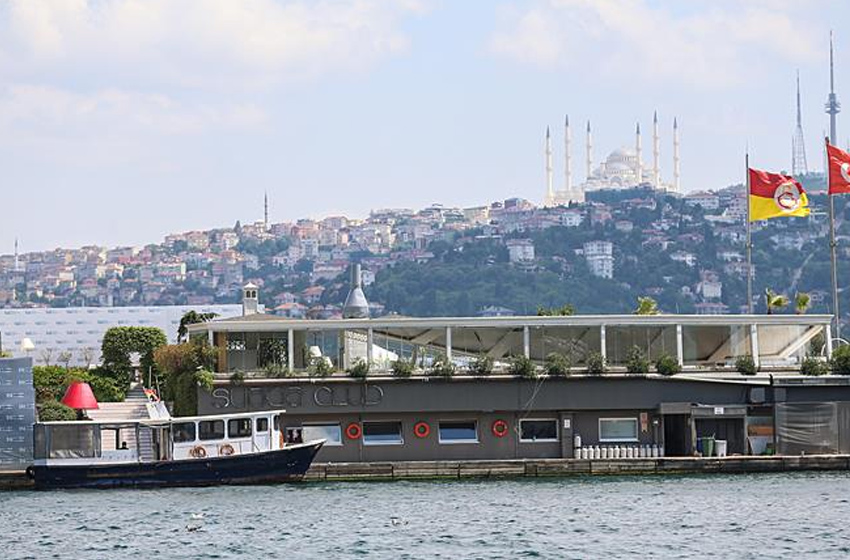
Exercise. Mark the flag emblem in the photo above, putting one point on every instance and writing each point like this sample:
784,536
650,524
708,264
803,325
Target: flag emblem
787,197
838,170
774,195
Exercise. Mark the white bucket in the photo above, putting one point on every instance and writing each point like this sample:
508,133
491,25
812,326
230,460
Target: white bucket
720,447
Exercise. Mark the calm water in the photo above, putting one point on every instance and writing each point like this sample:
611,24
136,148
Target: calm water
792,516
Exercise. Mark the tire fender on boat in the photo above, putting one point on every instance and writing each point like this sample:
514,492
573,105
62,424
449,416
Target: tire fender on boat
500,428
353,431
422,430
226,449
198,452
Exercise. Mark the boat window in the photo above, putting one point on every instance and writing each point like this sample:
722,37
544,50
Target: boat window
239,427
538,430
262,424
211,429
183,432
458,431
276,422
618,429
331,433
382,433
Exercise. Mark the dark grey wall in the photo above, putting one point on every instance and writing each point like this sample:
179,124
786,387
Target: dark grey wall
17,411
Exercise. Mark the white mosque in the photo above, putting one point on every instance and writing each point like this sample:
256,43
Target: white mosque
623,168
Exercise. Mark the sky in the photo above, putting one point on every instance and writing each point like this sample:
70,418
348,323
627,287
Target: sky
124,120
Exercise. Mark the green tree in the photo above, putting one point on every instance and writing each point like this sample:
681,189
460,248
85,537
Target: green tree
646,306
185,368
120,342
191,318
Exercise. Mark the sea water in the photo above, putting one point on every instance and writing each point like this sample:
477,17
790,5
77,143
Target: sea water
800,515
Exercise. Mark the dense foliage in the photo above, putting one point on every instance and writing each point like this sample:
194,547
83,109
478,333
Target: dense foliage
667,365
557,365
183,368
521,366
839,362
746,365
119,343
636,361
814,366
50,383
54,411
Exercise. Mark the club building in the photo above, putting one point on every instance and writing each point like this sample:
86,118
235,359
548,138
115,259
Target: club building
386,417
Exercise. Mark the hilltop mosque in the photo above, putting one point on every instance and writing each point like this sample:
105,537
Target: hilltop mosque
623,168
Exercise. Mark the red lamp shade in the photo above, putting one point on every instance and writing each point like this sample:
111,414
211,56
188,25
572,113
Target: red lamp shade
79,396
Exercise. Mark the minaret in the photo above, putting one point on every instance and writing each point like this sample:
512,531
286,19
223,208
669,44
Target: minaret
550,193
17,261
568,158
266,211
798,145
639,162
676,170
589,152
656,152
833,107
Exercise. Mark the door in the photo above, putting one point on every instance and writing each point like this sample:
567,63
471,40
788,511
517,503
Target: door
677,435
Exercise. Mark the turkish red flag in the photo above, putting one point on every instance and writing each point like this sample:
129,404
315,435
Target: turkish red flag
839,170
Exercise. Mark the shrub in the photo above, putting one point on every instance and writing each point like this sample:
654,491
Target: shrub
54,411
276,370
557,365
482,365
746,365
839,362
596,363
105,389
360,369
237,377
814,366
321,367
402,368
442,367
667,365
522,367
636,361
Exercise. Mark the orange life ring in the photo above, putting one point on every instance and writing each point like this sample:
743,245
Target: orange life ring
198,452
500,428
226,449
353,431
422,430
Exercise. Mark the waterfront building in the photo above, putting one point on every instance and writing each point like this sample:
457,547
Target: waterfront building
444,404
79,330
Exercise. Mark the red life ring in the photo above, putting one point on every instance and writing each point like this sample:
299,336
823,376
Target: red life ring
422,430
500,428
353,431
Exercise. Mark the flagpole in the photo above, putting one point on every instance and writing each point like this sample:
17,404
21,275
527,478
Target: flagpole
749,240
832,244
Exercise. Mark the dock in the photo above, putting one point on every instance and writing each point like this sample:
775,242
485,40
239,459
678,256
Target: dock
15,480
536,468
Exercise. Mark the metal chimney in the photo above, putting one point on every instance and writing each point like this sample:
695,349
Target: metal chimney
356,306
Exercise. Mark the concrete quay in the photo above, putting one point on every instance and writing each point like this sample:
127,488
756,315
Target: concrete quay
518,468
15,480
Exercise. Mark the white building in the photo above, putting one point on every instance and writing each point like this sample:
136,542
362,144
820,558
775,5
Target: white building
520,250
600,258
80,330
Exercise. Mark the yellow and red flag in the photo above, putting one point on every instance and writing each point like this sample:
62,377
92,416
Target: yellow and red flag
839,170
773,195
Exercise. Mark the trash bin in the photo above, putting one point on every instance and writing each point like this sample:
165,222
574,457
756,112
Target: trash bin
706,446
720,447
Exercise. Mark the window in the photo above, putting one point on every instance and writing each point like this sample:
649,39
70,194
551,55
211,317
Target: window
332,433
538,430
618,429
211,429
382,433
183,432
262,425
276,421
239,427
458,431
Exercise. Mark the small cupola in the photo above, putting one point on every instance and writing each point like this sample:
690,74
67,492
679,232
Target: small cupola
250,299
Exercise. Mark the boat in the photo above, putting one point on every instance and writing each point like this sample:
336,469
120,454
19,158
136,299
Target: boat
228,449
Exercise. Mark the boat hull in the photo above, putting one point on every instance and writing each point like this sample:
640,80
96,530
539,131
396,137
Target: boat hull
282,465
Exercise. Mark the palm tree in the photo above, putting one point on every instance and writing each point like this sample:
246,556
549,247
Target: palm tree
646,306
802,301
774,300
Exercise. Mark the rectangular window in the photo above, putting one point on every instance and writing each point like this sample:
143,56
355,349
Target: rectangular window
538,430
458,431
332,433
210,429
183,432
239,428
276,421
262,425
618,429
382,433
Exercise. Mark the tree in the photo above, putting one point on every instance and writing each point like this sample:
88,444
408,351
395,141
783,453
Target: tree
120,342
192,318
88,356
47,356
185,368
65,358
646,306
774,300
802,301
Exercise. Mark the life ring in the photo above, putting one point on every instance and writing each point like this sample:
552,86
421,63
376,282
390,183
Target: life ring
422,430
500,428
226,449
30,472
198,452
353,431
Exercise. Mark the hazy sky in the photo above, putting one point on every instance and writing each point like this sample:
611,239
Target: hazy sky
123,120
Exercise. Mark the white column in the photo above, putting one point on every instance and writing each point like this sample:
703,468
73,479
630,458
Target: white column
449,343
828,336
603,350
290,350
369,344
680,345
754,341
526,342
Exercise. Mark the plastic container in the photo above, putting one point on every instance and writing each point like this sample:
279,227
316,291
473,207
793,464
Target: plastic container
720,447
705,445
